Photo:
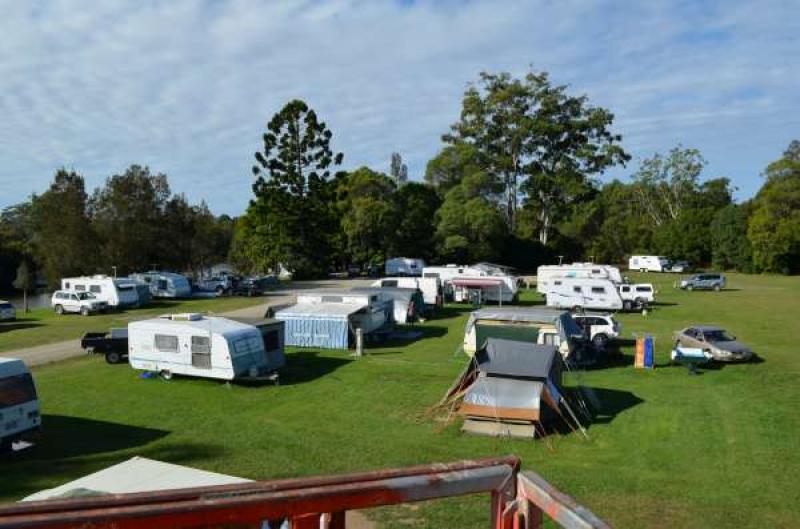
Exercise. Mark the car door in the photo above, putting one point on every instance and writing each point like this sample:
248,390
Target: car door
73,304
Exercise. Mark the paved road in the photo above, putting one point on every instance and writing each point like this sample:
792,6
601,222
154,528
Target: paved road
44,354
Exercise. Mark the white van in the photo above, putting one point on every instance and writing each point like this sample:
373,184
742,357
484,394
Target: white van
404,266
431,287
19,404
580,293
202,346
648,263
116,293
546,273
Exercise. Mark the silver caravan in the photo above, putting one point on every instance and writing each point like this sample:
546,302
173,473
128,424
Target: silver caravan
203,346
547,273
115,292
603,294
165,284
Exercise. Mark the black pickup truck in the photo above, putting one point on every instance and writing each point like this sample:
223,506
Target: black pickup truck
112,344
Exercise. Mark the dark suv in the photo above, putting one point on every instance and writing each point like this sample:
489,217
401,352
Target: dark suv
704,281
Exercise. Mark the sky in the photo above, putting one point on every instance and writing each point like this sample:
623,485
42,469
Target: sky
187,87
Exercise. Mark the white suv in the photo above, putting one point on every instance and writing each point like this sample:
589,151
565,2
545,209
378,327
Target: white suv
83,303
602,327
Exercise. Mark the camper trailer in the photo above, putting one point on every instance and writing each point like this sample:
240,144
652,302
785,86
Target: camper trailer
527,324
648,263
547,273
19,404
117,293
408,305
431,287
404,266
329,319
165,284
460,283
203,346
579,293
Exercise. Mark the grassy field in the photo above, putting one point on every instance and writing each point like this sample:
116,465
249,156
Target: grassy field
42,326
667,449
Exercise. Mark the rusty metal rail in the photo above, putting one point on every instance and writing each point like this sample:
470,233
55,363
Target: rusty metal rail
518,500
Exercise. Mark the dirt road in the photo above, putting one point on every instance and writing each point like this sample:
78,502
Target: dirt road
54,352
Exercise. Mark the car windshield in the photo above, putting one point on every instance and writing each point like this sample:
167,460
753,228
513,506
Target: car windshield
717,336
86,295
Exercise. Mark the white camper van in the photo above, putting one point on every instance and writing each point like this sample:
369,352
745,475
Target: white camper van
582,293
404,266
648,263
19,404
459,281
201,346
431,287
117,293
165,284
546,273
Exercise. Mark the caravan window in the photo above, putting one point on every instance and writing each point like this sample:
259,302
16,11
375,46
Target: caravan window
80,288
251,345
595,270
16,390
95,288
201,344
626,289
162,284
557,282
66,284
576,289
598,290
272,341
389,283
166,343
430,274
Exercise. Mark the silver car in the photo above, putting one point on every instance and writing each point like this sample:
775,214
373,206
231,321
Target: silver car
722,346
7,311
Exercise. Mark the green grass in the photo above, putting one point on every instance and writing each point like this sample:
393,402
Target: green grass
668,450
43,326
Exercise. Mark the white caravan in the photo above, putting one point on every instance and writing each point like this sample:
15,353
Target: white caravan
19,404
371,310
404,266
648,263
165,284
115,292
459,281
200,346
582,293
546,273
431,287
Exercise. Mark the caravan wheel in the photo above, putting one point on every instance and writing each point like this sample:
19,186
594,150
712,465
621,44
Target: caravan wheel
166,374
627,305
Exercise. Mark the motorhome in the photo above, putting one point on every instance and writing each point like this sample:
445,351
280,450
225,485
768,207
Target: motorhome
165,284
461,282
203,346
648,263
19,403
546,273
431,287
585,293
404,266
330,318
532,325
117,293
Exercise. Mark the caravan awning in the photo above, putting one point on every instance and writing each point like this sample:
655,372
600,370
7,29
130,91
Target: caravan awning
477,283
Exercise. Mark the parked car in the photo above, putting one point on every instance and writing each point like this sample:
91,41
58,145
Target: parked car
219,284
83,303
249,286
353,270
7,311
601,328
113,344
710,281
680,267
714,340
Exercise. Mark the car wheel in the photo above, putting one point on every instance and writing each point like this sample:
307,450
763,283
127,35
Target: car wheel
716,288
220,291
627,305
84,311
690,288
166,374
600,341
113,357
59,309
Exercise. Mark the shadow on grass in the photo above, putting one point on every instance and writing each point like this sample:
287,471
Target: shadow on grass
607,404
530,303
449,311
17,325
408,334
305,366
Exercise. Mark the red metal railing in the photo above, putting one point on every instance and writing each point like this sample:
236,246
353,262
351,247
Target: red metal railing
519,500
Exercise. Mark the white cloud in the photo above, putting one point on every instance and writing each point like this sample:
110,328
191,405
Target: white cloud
187,86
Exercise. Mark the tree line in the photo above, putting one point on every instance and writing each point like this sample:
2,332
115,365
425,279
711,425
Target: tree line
515,182
132,223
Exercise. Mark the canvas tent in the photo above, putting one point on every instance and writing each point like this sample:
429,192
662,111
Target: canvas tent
524,324
408,304
328,319
509,388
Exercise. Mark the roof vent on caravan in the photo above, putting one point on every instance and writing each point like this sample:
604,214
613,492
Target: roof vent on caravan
187,316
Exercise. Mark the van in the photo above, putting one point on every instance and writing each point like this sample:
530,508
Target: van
404,266
116,293
19,403
648,263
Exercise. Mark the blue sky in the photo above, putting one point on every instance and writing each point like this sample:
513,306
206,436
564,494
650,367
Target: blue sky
187,87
